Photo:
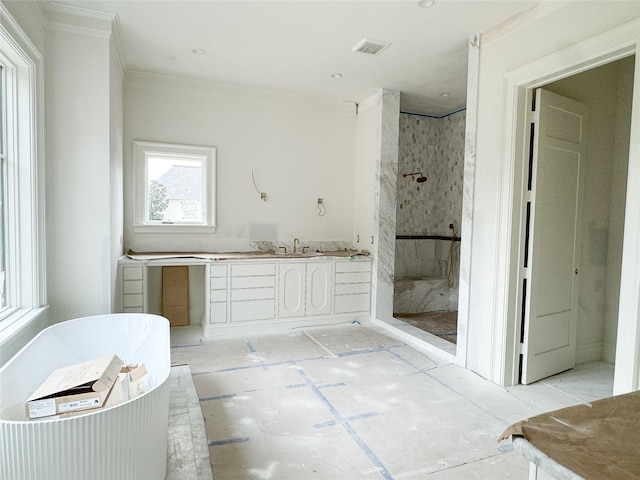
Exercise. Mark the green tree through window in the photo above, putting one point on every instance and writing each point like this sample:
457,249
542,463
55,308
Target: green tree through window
158,201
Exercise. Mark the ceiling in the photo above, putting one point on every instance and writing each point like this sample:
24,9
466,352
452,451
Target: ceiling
296,46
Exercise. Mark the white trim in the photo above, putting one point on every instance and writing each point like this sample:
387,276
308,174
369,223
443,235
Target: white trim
26,300
17,320
87,21
627,372
596,51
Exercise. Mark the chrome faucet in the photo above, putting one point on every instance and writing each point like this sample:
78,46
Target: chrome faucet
295,244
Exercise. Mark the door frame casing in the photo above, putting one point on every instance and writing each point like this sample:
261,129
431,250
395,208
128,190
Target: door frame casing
517,92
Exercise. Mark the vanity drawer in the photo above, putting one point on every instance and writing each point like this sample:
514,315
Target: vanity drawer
218,312
218,296
253,270
253,294
352,303
353,277
132,273
218,271
218,283
132,286
252,282
253,310
132,300
353,267
351,288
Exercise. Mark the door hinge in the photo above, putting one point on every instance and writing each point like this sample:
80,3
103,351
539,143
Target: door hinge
525,272
522,348
534,117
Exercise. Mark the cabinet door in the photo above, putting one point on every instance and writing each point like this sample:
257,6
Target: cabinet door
291,302
319,289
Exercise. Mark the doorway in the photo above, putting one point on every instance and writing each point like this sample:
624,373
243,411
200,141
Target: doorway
607,90
607,93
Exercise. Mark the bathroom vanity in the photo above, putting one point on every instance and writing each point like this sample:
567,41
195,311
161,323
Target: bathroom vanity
233,293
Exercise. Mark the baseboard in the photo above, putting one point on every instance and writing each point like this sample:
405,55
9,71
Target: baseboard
591,352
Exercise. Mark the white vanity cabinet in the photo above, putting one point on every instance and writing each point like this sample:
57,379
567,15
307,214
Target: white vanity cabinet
255,294
305,289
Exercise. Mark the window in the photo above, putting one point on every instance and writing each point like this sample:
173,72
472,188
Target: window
174,188
3,166
22,279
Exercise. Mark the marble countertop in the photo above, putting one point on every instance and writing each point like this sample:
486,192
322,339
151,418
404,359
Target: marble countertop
253,255
592,440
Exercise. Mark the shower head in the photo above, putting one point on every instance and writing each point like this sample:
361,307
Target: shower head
420,179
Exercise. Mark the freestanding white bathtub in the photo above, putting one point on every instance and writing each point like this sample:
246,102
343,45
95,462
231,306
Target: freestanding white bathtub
128,441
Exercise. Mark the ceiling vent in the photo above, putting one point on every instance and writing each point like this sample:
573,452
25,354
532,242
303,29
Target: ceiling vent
371,46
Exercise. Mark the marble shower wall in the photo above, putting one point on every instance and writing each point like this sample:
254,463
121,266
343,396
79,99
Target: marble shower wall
427,270
435,147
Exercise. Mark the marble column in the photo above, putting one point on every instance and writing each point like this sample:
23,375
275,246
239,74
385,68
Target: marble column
467,199
385,208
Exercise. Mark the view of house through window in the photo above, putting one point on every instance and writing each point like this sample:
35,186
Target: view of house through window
174,189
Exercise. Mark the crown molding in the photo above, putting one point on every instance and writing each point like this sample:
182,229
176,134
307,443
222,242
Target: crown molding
86,21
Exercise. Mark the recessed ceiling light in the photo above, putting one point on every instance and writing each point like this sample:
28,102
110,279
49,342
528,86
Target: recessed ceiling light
426,3
336,76
444,94
198,51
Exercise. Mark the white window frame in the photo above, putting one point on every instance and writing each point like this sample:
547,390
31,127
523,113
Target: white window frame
142,150
25,293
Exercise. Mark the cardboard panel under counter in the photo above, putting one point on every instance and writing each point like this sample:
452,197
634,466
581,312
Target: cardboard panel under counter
175,295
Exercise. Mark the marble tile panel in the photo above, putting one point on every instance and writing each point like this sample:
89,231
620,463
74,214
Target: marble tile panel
426,295
435,148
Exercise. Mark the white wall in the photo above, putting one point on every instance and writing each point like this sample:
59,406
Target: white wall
116,177
80,159
366,161
552,31
299,150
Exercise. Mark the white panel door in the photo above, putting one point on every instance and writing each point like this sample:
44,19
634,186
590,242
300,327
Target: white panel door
292,290
551,304
319,288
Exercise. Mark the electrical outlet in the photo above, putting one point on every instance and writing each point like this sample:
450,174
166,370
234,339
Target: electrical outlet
320,201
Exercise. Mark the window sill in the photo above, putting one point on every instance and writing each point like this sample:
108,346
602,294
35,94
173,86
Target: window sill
19,320
167,228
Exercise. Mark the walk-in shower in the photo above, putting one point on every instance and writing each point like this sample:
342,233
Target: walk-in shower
427,247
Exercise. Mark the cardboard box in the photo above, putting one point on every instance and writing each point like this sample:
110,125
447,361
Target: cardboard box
135,379
129,384
78,387
175,295
118,394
